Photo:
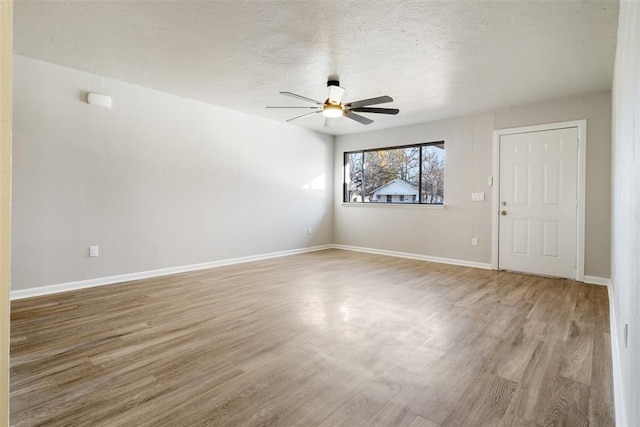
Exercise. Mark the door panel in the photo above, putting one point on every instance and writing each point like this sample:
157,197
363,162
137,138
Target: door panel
521,236
551,238
538,194
521,186
552,183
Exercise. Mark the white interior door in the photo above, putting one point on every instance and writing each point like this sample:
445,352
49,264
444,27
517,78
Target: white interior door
538,202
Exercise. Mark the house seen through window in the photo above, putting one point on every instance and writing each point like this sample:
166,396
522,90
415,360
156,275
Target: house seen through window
406,174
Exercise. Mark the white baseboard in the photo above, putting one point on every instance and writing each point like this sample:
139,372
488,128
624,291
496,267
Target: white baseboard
595,280
110,280
483,265
100,281
618,400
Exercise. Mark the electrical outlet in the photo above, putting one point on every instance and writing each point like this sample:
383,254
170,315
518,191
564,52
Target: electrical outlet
474,241
94,251
309,230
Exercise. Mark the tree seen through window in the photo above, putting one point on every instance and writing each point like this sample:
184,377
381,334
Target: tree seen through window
408,174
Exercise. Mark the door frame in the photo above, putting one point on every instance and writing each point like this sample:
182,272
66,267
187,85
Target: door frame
581,125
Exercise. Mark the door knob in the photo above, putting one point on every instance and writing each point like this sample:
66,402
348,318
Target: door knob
503,213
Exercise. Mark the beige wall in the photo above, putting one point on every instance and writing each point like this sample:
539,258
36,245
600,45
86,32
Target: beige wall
158,181
625,230
447,232
117,178
596,108
444,233
6,34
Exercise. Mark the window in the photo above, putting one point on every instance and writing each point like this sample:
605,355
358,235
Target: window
406,174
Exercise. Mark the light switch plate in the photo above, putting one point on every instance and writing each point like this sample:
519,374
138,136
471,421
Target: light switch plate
94,251
477,197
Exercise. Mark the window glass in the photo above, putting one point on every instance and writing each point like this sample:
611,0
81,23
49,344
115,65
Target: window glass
353,177
433,174
407,174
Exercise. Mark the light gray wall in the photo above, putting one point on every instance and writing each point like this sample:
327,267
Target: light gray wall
157,181
6,53
162,181
625,230
596,108
423,230
468,144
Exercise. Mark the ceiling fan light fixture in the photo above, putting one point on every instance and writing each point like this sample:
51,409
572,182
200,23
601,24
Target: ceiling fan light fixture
332,110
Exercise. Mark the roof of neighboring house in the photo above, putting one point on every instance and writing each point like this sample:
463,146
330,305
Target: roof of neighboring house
396,187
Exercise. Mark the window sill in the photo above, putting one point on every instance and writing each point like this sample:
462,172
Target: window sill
393,205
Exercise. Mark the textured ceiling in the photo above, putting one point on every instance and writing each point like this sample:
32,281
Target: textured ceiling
437,59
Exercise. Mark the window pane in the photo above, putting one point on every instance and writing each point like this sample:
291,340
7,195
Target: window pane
433,174
353,177
389,174
407,174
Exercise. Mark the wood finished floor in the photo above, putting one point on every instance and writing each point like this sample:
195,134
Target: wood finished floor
321,339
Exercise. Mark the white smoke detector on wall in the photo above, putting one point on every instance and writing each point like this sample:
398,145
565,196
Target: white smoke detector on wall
99,100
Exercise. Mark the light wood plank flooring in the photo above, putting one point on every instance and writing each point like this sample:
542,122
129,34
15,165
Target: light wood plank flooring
322,339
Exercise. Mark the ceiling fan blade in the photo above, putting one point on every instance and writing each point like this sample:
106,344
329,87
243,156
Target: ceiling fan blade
376,110
358,118
335,94
304,98
370,101
304,115
312,108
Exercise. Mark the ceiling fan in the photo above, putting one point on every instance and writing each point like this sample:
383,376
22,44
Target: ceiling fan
334,107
